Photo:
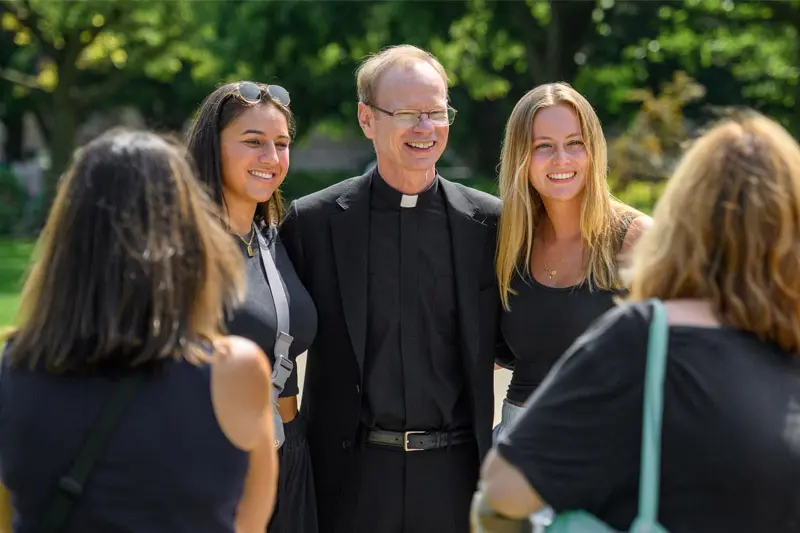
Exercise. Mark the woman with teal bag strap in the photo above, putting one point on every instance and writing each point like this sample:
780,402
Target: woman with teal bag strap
721,451
647,520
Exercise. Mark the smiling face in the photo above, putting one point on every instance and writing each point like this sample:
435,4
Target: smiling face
255,155
414,87
559,161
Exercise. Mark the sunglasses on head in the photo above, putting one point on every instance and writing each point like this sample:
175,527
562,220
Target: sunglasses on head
252,93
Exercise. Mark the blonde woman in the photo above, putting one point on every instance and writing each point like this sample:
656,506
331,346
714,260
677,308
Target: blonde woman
724,256
561,234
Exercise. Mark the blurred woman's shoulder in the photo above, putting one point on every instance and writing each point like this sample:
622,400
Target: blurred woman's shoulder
241,390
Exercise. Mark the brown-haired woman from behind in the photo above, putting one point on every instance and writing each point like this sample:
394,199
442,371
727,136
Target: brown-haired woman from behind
724,256
131,277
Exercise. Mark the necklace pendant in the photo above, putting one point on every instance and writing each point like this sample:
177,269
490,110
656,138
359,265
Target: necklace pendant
249,251
552,274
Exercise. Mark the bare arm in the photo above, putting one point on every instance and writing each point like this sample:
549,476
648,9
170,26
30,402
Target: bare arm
636,229
260,487
242,394
506,490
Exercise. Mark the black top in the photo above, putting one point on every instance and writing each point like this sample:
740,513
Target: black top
730,438
256,320
554,317
413,374
168,467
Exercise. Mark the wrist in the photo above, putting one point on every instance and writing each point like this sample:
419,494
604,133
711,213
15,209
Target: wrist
486,519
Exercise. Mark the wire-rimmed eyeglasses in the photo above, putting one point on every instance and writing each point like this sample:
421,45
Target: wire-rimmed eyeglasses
409,118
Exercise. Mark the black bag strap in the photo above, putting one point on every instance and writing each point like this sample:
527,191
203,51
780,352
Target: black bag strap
70,486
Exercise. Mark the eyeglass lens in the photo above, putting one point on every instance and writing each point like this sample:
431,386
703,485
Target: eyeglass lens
412,118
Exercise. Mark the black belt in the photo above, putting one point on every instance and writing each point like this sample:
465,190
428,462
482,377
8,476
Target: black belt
417,441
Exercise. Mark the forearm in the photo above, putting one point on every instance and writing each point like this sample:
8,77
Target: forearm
506,490
485,519
258,498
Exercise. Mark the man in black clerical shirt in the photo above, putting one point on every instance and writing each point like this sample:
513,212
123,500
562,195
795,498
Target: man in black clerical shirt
398,391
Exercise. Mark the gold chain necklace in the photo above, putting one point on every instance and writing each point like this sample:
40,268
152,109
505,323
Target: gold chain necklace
551,273
249,243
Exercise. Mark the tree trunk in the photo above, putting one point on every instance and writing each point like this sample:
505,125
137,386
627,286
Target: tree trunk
65,115
13,146
488,122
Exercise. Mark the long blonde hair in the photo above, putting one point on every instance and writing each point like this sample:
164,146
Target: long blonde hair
601,216
727,229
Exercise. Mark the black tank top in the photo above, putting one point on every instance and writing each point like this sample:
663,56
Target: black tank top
168,467
544,322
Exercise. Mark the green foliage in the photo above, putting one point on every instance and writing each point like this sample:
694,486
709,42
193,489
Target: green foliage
640,195
474,55
68,59
104,37
755,45
72,58
653,143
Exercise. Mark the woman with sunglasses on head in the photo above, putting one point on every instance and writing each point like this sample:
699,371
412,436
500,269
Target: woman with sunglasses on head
561,234
240,140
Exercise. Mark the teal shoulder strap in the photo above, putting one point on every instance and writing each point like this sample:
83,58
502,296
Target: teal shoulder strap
650,476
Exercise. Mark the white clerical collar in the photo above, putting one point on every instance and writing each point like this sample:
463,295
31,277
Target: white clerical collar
409,200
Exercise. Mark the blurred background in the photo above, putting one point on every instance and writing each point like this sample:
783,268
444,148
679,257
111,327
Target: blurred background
657,73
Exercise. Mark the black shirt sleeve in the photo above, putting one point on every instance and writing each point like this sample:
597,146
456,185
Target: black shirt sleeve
575,441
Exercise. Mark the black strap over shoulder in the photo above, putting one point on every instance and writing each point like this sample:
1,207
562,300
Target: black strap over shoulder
70,486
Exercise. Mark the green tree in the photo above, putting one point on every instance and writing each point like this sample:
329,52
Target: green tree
497,51
494,52
75,56
644,156
744,53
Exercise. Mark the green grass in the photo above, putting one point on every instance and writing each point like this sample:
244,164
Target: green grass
14,257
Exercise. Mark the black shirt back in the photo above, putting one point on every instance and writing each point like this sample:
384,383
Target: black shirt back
730,437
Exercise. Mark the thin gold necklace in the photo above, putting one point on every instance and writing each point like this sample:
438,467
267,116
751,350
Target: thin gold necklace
551,273
250,243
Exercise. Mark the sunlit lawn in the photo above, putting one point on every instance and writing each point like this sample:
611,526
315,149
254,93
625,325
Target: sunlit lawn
14,256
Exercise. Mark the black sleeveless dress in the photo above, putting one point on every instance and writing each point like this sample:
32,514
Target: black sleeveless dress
256,319
544,321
